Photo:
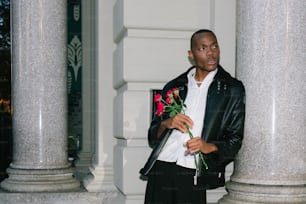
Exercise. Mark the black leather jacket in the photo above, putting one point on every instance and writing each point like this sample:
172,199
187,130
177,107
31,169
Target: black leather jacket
223,125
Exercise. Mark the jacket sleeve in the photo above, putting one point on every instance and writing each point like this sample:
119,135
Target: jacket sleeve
230,139
152,132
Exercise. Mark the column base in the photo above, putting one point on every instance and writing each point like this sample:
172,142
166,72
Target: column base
82,197
239,193
100,179
42,180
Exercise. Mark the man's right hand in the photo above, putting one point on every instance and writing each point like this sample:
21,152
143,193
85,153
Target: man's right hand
179,122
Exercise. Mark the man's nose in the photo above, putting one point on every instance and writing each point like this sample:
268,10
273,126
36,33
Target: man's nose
209,51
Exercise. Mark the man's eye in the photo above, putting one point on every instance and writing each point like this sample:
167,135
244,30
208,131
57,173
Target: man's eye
201,49
214,47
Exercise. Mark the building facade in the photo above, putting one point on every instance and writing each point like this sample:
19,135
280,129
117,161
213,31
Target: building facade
129,48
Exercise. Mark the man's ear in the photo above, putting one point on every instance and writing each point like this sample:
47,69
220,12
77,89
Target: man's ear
190,54
190,57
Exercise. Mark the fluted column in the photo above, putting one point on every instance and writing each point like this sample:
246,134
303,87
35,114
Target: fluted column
39,98
271,53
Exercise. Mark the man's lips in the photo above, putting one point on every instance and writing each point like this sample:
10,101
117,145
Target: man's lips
212,62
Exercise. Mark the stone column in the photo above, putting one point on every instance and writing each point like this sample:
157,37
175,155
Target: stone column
39,98
271,53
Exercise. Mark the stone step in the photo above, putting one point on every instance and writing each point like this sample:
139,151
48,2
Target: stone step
56,198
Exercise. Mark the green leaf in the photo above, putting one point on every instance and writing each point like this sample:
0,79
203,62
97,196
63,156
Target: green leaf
172,113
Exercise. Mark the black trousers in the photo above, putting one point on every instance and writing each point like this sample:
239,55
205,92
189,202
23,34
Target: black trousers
172,184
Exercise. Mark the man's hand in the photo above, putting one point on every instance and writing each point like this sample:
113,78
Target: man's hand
179,122
196,144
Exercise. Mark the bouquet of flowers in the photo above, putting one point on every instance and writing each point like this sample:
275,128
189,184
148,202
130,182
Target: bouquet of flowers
173,104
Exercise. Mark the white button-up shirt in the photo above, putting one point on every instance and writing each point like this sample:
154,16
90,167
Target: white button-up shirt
174,149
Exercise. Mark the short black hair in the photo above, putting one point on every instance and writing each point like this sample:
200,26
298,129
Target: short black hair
198,32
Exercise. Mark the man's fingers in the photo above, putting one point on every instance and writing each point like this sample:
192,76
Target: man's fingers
193,145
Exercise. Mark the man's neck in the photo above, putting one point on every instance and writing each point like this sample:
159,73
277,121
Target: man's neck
200,75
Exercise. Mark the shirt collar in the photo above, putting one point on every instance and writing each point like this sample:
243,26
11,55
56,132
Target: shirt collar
192,81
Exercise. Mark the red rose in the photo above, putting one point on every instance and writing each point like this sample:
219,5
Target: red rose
169,100
160,108
175,92
170,94
157,98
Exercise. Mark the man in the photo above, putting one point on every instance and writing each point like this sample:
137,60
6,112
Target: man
215,112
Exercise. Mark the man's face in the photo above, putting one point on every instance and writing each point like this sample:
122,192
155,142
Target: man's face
205,51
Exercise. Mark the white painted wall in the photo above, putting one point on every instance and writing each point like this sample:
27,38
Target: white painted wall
141,44
102,47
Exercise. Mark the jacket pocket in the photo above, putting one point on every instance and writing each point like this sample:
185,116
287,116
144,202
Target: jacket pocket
211,180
